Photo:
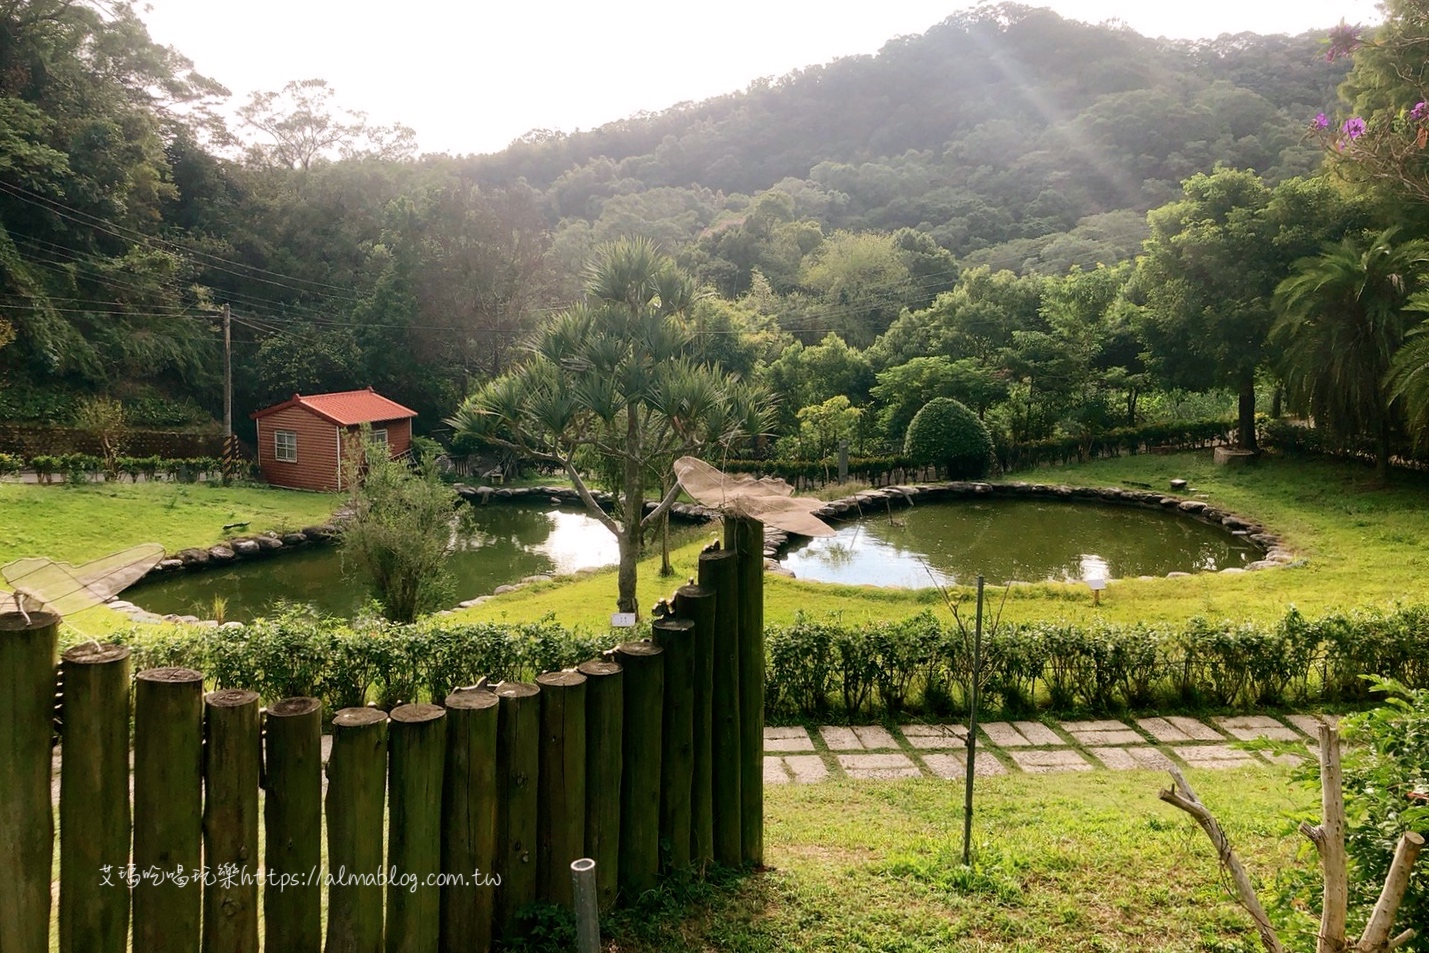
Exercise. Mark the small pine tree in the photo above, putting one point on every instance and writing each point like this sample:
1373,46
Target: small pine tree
947,434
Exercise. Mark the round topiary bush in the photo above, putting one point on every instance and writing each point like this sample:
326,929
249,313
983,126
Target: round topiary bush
945,433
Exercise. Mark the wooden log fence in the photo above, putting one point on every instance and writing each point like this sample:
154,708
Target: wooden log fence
444,823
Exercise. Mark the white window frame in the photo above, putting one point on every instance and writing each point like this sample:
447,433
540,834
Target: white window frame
380,436
285,451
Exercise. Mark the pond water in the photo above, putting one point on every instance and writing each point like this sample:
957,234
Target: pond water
496,545
1007,540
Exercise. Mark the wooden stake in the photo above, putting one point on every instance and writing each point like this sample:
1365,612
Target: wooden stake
469,820
292,826
168,808
697,604
561,805
416,751
517,774
605,707
232,754
356,789
677,739
718,572
644,664
746,537
94,800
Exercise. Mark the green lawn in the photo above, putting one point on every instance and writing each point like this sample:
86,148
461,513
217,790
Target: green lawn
1362,545
77,523
1072,862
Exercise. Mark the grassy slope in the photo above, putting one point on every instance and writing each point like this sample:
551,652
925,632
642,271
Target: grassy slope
1064,862
77,523
1362,545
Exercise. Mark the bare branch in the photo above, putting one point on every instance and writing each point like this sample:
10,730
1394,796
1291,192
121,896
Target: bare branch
1376,933
1182,797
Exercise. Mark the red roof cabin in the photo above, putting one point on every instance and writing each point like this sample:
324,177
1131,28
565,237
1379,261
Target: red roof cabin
302,441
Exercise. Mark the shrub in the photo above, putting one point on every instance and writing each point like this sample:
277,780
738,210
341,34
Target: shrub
945,433
399,534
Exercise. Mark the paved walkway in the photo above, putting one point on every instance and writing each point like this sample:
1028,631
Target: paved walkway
801,756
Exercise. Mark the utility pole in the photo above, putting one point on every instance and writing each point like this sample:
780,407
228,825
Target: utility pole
230,443
227,374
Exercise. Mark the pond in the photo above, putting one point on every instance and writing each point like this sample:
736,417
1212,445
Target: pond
496,545
1014,540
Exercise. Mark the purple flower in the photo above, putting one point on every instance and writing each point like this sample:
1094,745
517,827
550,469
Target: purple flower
1353,127
1343,40
1322,121
1420,110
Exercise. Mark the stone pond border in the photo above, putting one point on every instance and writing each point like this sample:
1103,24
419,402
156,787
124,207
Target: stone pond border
1275,552
242,548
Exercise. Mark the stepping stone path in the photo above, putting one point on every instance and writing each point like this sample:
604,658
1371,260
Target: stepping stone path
796,755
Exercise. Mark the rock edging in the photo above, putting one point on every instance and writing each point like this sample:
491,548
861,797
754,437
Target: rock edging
1274,551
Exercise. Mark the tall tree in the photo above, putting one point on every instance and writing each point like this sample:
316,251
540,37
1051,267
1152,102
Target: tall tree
1343,315
1205,284
613,383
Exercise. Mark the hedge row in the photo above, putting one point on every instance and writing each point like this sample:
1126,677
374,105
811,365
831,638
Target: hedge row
920,663
31,441
1173,435
350,663
79,467
867,469
1176,435
1295,438
818,667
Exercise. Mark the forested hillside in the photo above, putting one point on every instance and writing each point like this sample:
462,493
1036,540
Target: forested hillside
879,230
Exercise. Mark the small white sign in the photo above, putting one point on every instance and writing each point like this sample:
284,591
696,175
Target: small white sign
623,620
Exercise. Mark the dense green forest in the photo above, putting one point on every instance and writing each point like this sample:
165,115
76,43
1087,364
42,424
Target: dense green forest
1071,229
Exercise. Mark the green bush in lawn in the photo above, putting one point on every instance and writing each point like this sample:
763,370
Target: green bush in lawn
946,434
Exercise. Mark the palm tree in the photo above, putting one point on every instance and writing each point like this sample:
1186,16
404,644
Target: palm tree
611,391
1342,316
1409,375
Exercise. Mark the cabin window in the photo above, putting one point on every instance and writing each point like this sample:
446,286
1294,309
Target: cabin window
285,446
380,436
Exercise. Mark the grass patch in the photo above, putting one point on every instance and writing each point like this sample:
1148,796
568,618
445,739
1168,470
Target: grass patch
75,524
1084,862
1362,545
79,523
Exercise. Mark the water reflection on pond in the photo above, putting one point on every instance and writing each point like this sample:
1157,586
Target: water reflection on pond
495,545
1006,540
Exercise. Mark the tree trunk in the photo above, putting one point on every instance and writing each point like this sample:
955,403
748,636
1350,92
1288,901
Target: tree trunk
629,540
1381,454
1246,437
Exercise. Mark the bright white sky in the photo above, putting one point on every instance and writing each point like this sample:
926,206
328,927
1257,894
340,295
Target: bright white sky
471,75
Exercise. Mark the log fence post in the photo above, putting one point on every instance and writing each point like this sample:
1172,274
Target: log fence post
168,809
94,800
232,756
469,820
561,804
605,706
644,691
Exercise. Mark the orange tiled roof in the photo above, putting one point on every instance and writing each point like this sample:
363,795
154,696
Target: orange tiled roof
344,408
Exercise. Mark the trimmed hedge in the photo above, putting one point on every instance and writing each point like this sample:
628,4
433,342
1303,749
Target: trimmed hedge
78,467
1171,436
820,666
881,670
